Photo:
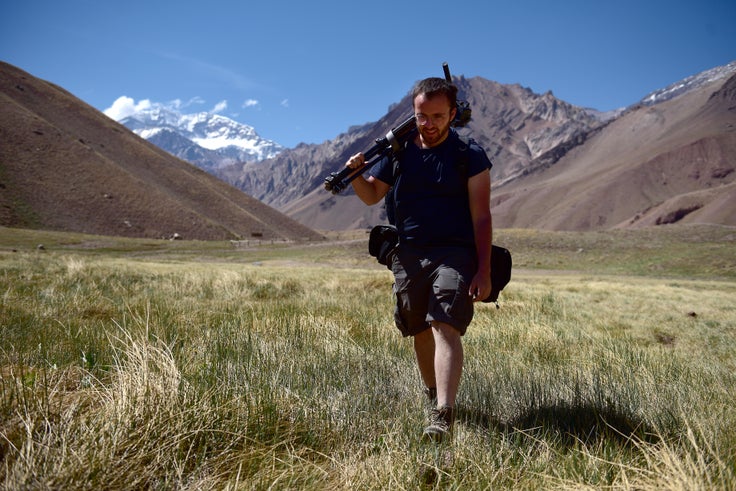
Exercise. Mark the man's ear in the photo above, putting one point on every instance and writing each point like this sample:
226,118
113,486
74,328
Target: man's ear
453,112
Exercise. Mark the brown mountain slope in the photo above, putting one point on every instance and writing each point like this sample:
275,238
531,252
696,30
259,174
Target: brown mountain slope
672,162
66,166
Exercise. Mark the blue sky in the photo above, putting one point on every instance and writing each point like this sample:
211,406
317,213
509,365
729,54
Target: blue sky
306,71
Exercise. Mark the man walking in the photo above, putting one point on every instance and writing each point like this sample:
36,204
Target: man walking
442,264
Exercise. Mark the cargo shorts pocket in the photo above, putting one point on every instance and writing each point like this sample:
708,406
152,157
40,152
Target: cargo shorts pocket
452,304
411,307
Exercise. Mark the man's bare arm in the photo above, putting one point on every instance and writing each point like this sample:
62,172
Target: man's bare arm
369,189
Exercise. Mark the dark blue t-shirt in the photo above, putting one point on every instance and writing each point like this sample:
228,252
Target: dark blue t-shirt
431,192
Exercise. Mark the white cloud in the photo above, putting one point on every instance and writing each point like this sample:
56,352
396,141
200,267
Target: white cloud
285,103
224,74
126,106
178,105
219,107
194,100
250,103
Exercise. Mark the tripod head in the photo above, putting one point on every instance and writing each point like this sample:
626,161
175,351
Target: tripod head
463,113
391,143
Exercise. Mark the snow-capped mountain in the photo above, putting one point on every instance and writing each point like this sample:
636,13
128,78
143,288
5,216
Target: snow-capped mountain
208,140
689,83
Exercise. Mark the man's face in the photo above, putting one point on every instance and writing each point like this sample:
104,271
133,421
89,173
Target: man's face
433,118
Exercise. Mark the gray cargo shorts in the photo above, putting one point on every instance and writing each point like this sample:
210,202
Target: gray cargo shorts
431,284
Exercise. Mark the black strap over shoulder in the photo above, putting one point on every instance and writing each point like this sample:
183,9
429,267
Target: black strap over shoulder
463,155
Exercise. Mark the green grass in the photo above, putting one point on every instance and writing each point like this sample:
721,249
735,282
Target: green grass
182,365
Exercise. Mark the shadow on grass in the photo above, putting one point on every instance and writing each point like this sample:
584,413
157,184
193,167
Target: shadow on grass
572,423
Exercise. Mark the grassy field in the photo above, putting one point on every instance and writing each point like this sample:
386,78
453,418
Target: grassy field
145,364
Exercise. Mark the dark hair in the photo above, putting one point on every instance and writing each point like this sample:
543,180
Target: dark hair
435,86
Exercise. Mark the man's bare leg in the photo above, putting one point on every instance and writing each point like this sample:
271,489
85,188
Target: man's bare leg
424,349
448,367
448,362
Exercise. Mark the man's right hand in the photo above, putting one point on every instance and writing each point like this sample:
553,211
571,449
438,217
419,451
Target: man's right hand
369,189
356,161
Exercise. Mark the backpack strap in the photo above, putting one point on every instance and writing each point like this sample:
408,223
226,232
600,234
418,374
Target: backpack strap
462,154
389,201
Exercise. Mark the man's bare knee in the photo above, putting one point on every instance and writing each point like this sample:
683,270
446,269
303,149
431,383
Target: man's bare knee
445,330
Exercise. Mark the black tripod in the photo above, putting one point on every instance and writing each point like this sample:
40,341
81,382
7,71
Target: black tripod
384,146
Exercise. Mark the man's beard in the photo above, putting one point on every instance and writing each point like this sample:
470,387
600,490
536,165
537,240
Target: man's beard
435,136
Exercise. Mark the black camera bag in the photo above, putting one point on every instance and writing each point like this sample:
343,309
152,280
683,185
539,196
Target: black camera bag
382,241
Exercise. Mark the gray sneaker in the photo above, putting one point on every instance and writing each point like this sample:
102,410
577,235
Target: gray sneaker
441,421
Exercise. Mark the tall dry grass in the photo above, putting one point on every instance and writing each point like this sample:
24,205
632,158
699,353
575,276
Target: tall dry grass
122,371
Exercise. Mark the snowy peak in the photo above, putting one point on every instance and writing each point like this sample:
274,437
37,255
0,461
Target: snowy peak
214,132
690,83
222,139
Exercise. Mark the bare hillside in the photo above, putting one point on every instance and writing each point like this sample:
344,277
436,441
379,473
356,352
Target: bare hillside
672,162
66,166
